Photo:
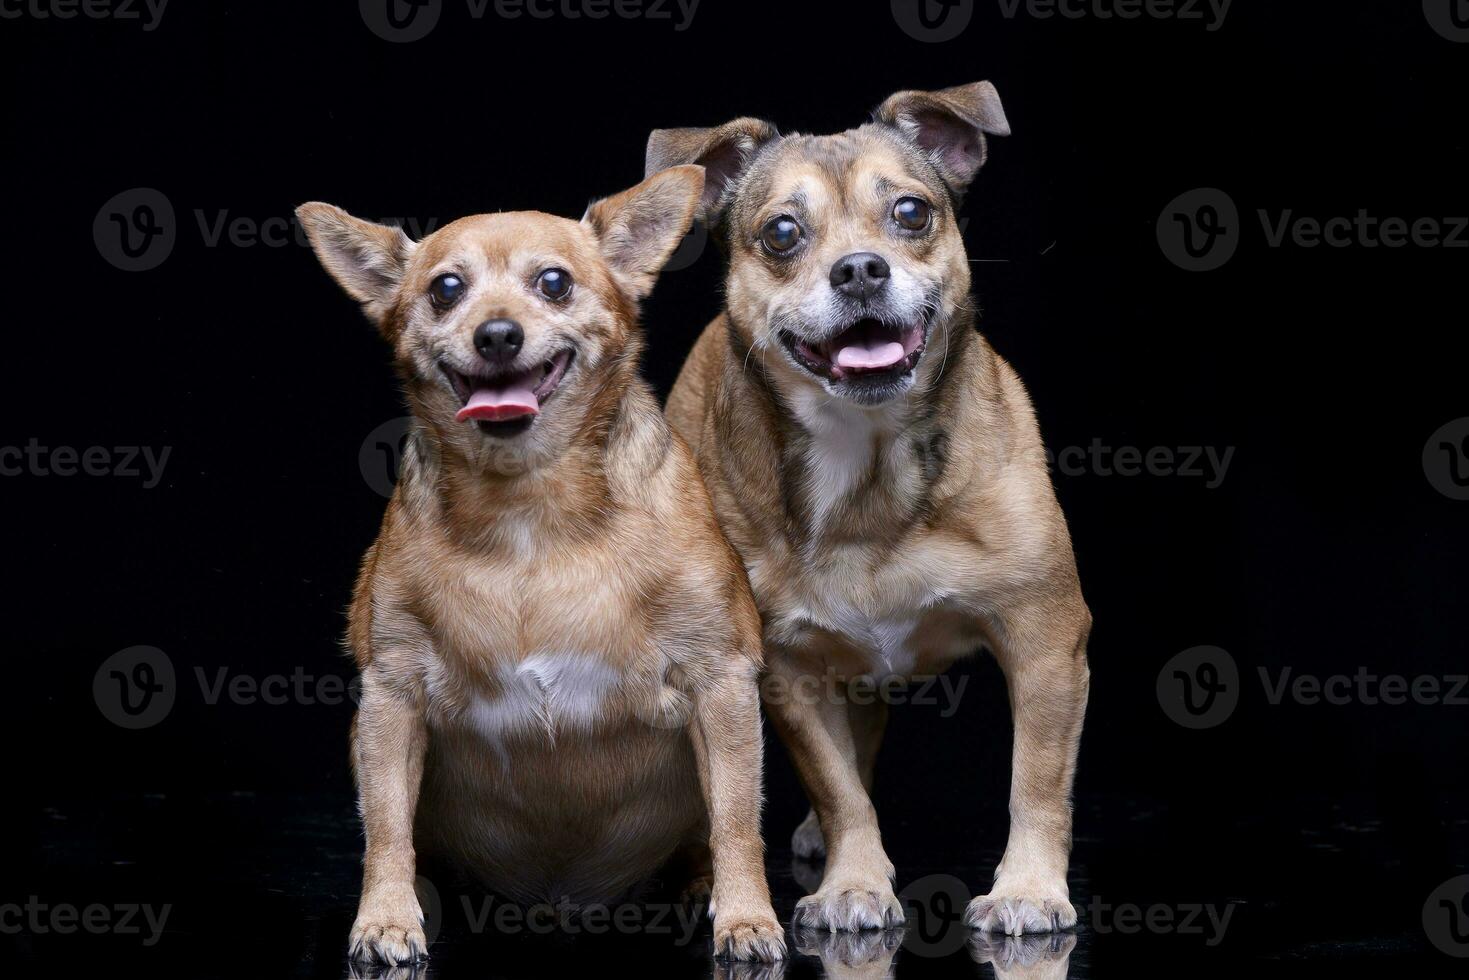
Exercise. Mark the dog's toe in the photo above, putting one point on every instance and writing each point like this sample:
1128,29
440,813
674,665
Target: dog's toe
1016,914
394,945
841,908
753,938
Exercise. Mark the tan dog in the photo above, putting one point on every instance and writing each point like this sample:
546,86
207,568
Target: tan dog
559,651
879,469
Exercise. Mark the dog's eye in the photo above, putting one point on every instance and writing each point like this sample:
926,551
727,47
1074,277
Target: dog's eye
911,213
554,283
446,290
781,234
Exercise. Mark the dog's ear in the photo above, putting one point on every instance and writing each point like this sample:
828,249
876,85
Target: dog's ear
641,227
723,152
950,125
366,259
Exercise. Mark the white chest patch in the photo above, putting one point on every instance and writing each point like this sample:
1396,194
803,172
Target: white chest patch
843,442
546,694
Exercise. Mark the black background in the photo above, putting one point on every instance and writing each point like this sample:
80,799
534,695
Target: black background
1324,549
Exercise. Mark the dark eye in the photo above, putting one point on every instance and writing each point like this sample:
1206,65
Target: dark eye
782,234
911,213
554,283
446,290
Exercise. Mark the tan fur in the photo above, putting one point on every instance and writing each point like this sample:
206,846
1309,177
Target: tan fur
890,539
559,650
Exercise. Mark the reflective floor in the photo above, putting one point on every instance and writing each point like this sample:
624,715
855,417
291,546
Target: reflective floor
248,885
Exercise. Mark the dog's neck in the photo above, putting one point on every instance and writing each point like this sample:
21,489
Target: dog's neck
846,472
489,496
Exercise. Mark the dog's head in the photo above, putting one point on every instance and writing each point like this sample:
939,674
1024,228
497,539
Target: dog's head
845,252
512,328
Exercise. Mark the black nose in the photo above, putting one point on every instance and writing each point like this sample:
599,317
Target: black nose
498,340
860,275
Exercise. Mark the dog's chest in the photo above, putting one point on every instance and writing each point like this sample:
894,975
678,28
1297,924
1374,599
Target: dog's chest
570,692
849,613
519,659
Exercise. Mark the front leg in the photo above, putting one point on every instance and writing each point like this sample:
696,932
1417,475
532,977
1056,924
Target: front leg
1042,650
857,888
389,741
727,744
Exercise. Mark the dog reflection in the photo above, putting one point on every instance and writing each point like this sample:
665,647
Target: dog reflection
376,971
866,955
1032,957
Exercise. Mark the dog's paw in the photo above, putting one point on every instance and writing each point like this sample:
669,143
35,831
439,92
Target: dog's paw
847,907
1019,907
389,929
1043,957
753,937
807,842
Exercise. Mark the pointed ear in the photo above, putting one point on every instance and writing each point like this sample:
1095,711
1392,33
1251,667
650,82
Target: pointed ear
723,152
950,125
640,228
366,259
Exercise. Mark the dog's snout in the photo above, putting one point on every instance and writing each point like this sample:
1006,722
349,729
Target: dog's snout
499,341
860,275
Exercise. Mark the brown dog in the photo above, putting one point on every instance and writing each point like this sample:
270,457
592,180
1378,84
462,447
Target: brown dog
559,651
879,469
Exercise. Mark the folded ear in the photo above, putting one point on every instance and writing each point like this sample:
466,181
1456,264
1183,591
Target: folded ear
366,259
950,125
723,152
641,227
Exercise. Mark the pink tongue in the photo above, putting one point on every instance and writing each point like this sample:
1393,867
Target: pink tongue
870,354
513,401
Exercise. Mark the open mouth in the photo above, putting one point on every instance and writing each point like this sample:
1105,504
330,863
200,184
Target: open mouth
505,403
867,351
